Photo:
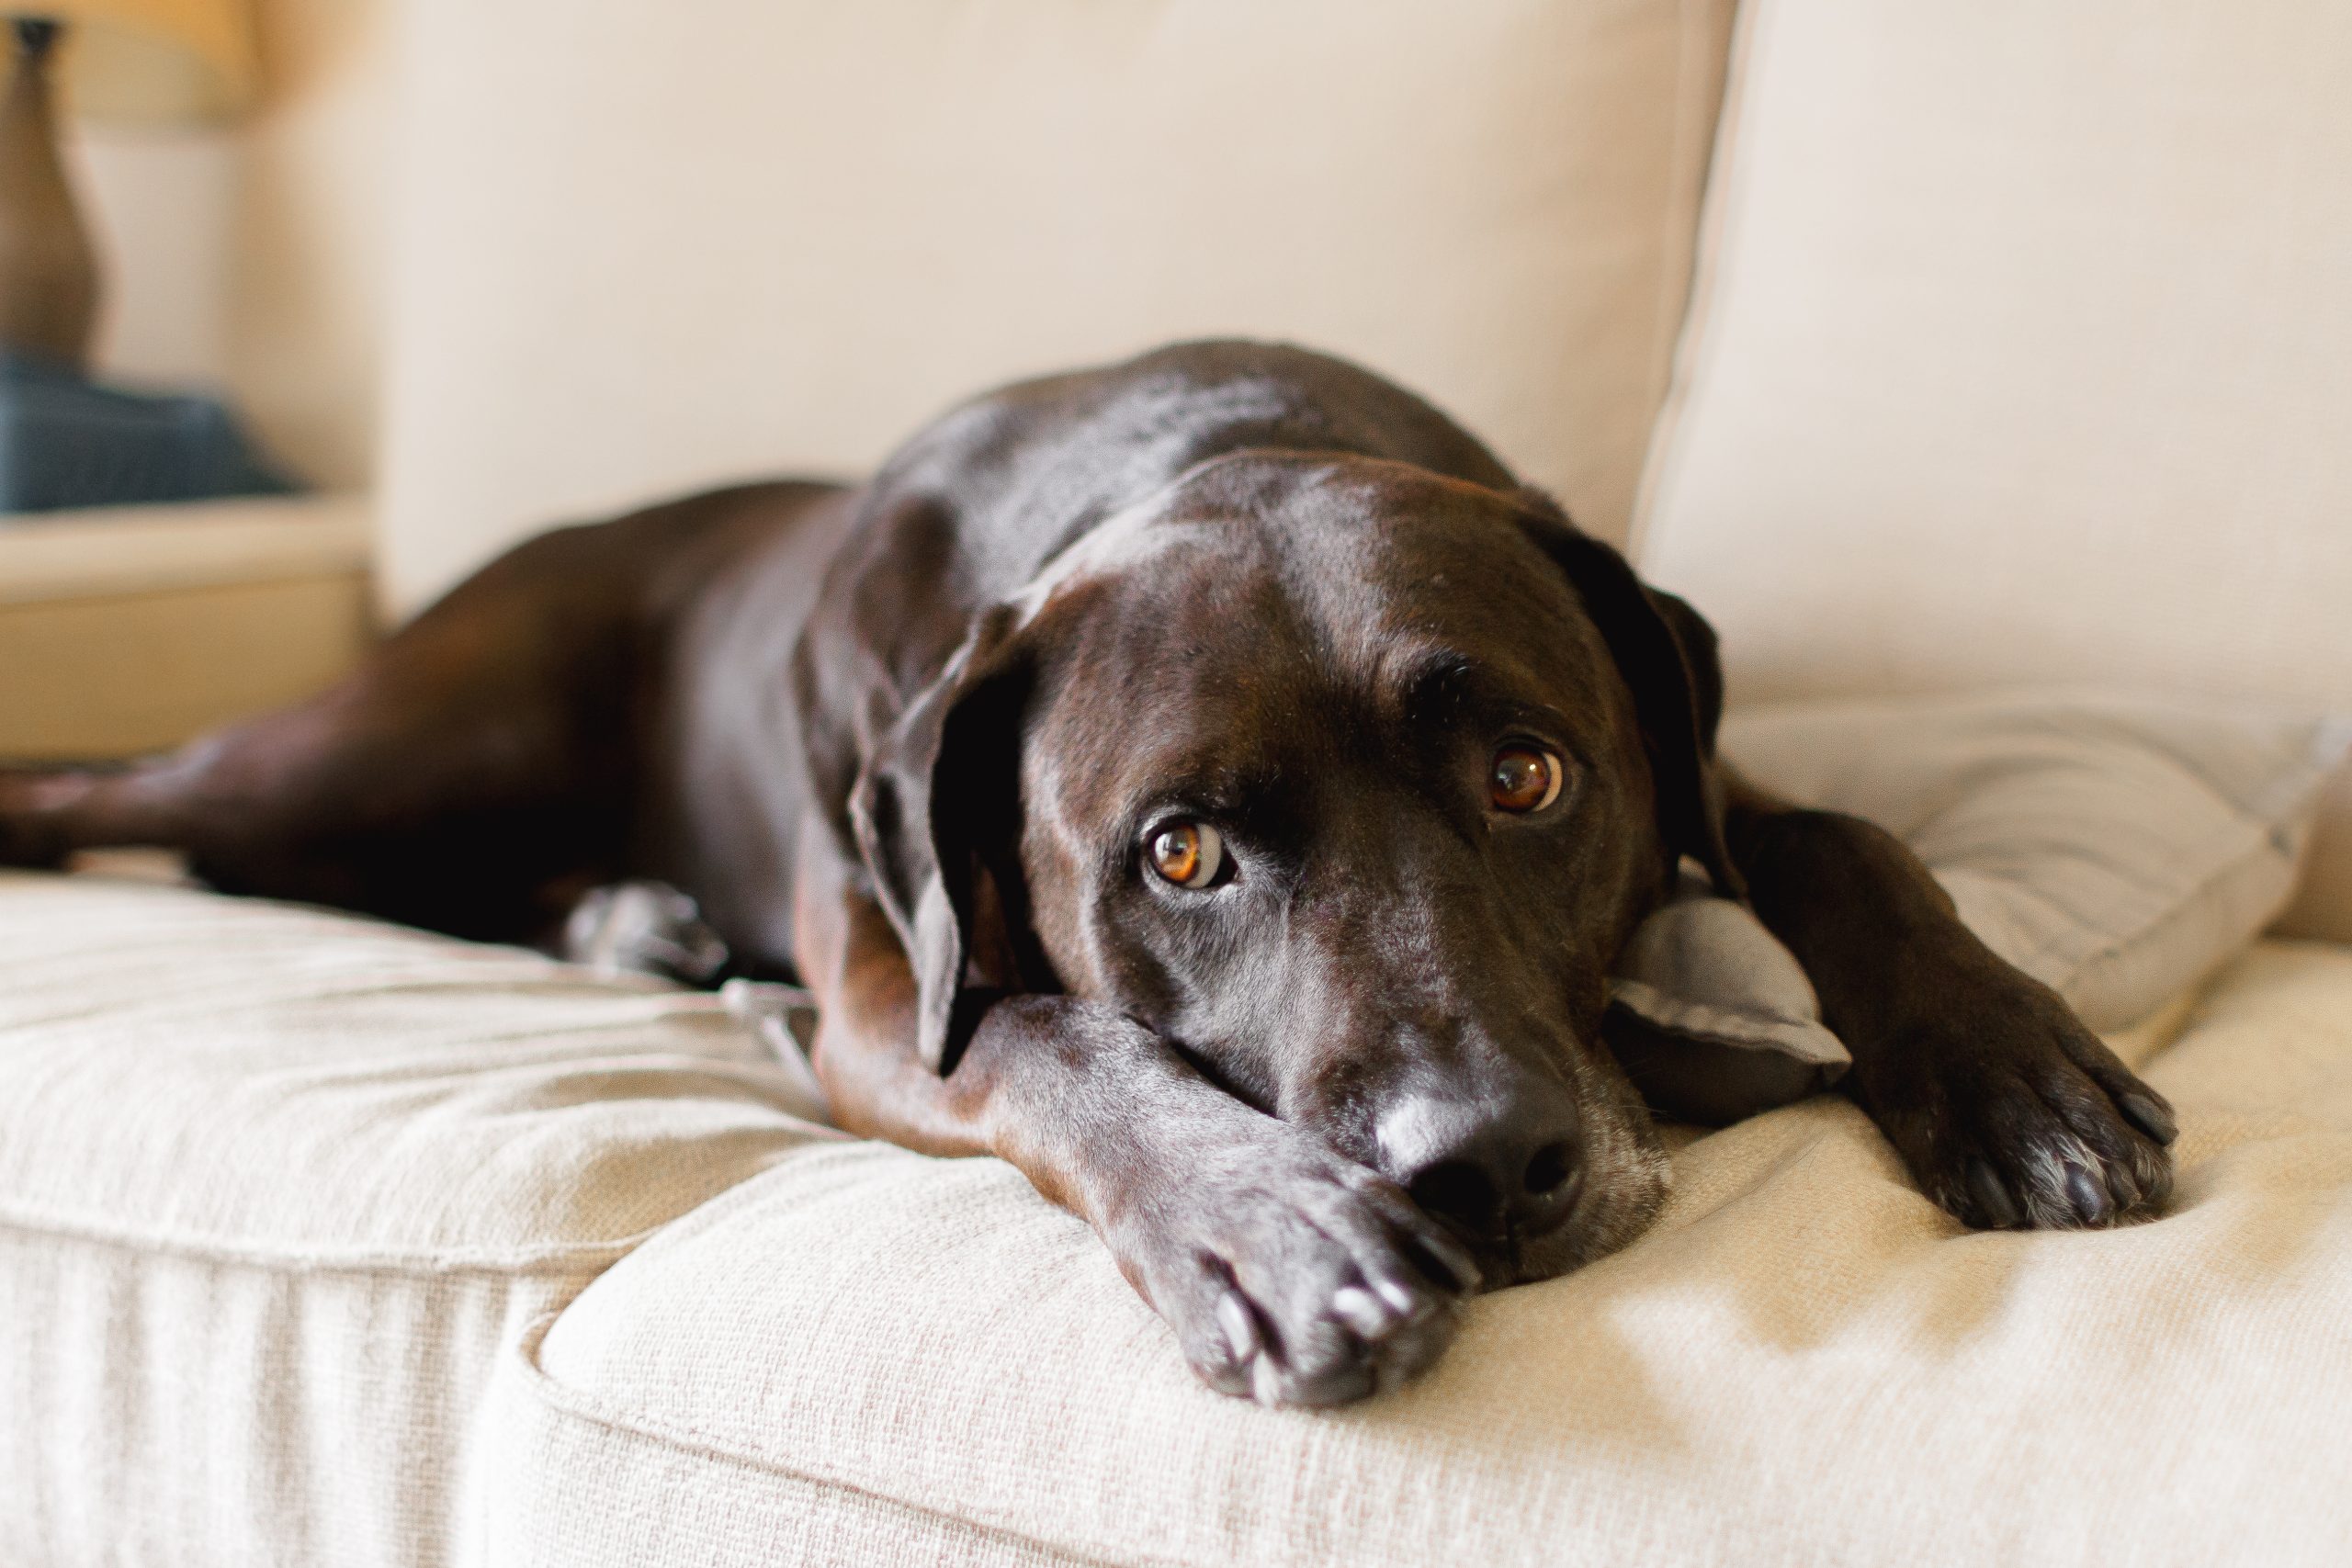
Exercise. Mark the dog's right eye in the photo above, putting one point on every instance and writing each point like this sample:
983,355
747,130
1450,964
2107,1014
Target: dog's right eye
1187,854
1523,778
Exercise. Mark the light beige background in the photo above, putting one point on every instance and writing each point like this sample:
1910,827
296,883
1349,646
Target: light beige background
641,255
2022,355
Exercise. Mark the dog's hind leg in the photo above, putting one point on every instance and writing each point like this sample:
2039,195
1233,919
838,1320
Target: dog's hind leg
478,773
472,775
429,806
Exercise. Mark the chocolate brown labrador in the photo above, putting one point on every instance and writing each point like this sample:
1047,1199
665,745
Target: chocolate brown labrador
1212,784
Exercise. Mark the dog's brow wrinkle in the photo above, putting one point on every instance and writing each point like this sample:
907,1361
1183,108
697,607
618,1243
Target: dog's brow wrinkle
1431,680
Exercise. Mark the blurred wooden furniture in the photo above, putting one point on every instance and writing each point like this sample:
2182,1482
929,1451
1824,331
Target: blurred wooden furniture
133,628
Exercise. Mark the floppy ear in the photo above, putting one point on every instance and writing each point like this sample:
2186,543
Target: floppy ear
1667,654
939,796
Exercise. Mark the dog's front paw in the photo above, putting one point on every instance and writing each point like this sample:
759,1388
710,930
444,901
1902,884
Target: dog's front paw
1293,1276
2010,1114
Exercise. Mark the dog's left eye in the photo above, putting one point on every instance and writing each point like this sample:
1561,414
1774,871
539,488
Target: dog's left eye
1187,854
1524,778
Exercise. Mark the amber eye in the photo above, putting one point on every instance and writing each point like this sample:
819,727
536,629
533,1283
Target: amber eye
1187,854
1523,779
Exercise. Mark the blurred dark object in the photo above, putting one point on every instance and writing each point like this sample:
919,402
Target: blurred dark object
66,441
49,275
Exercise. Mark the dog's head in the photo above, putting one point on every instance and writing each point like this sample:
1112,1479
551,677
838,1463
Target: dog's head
1347,780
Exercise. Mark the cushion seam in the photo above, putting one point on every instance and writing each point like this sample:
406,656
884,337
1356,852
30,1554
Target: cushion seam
2196,901
1799,1039
1716,220
2223,861
2241,843
1690,156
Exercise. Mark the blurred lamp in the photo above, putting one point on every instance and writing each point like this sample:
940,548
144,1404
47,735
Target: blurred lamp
142,61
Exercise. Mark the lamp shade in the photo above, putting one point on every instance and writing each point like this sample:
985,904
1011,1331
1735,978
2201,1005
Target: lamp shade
154,61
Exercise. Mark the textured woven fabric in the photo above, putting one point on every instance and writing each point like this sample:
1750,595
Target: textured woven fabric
294,1210
2021,355
864,1356
2117,851
276,1188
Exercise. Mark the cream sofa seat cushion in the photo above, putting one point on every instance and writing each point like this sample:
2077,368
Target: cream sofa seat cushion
863,1355
648,252
2022,353
276,1185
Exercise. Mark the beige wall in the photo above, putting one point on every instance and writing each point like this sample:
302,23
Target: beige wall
255,257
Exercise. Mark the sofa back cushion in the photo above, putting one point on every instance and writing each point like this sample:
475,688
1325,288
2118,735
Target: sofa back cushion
650,252
2021,353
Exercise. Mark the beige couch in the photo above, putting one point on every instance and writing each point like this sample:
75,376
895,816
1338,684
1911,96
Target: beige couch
2017,350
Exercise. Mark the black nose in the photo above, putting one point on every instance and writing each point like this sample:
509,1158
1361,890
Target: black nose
1504,1172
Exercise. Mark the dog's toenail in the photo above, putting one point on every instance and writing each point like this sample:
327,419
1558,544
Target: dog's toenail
1240,1328
1991,1196
2091,1198
2150,1117
1408,1304
1361,1312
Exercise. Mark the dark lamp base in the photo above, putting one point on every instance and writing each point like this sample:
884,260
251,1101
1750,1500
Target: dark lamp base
48,279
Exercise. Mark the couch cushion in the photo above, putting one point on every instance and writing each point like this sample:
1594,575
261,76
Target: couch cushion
2021,353
276,1184
864,1355
773,234
2119,852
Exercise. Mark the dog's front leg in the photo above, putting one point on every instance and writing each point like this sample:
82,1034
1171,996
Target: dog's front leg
1289,1273
2006,1109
